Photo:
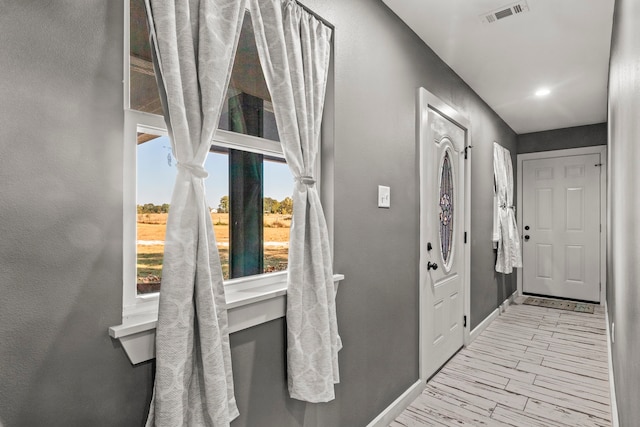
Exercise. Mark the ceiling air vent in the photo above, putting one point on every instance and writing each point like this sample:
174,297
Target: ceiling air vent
505,12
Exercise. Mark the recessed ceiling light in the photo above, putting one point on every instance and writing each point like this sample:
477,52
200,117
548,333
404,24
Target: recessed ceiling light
543,92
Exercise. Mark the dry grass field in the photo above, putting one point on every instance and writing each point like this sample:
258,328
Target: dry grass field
151,232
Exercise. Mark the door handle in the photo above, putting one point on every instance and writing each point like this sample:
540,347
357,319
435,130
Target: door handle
526,237
432,266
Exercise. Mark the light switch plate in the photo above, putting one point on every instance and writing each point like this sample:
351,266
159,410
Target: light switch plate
384,196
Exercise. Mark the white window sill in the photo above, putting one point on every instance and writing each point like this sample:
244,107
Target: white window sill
251,301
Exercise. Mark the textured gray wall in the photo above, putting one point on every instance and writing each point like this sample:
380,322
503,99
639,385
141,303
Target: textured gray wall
560,139
61,201
623,268
61,127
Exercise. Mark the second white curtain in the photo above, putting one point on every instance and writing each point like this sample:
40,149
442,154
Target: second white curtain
294,48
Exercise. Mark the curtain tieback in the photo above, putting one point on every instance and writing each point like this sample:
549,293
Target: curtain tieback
196,170
306,180
504,206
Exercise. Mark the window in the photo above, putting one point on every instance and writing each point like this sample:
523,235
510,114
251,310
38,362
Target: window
245,146
249,188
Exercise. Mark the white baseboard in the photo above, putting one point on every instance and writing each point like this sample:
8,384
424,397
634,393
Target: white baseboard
506,303
614,403
483,325
400,404
491,317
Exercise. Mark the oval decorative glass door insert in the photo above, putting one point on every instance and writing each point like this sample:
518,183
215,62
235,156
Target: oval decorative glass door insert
446,208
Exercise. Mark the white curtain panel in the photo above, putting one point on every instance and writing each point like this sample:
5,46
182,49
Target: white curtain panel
294,48
505,228
194,44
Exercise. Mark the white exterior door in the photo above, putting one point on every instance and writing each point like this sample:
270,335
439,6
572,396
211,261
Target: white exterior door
442,252
561,227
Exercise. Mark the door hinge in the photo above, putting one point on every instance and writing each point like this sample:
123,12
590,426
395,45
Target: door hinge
466,151
465,237
464,321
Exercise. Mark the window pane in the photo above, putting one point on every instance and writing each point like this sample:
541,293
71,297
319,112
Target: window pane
217,187
247,108
142,81
155,179
156,173
278,208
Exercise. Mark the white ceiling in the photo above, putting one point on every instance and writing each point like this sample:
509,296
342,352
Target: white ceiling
559,44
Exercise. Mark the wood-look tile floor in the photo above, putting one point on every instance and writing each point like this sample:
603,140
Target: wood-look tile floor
533,366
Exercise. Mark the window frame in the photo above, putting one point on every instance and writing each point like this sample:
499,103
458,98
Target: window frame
134,305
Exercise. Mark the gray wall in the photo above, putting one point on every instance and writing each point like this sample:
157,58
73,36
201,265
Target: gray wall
61,126
623,268
560,139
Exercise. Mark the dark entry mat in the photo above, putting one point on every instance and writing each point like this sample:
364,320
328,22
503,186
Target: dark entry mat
579,307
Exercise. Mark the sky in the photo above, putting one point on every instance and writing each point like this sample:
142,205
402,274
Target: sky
156,175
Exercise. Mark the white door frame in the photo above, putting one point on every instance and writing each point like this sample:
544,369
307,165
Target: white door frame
426,100
598,149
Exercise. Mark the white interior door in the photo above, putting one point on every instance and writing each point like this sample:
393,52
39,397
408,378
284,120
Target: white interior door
561,227
442,263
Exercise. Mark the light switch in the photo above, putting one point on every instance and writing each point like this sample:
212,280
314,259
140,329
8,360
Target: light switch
384,196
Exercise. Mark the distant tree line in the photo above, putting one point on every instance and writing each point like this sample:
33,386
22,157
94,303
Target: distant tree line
284,206
151,208
270,205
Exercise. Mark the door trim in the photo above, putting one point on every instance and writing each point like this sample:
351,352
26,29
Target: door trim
424,101
598,149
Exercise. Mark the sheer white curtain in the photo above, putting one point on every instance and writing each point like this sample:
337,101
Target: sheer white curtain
294,48
505,229
194,44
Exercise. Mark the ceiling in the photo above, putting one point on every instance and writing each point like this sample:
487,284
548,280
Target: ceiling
559,45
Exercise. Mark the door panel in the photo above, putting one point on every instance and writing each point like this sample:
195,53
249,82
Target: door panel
575,209
561,205
544,258
574,256
442,230
544,208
